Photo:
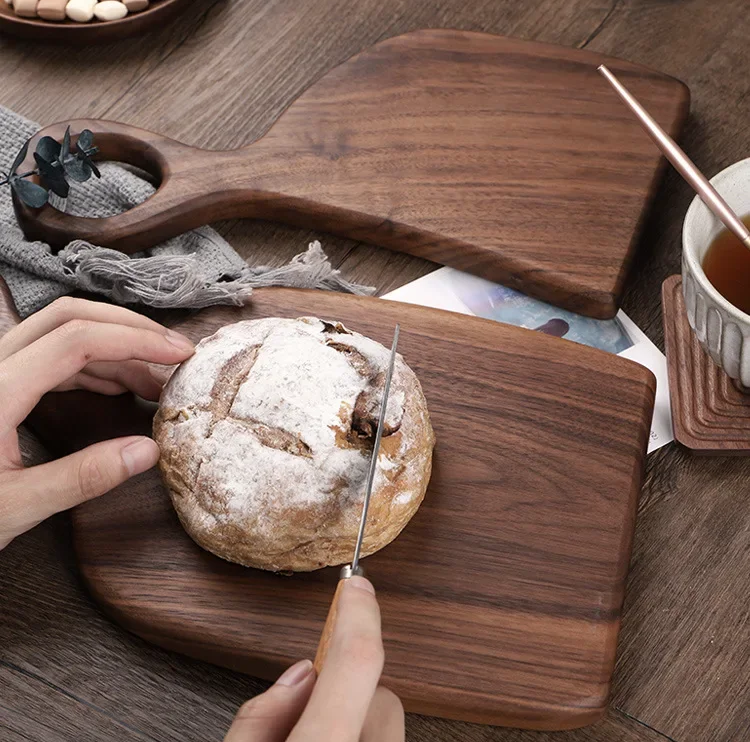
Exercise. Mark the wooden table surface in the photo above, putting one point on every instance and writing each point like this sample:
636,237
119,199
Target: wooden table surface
218,78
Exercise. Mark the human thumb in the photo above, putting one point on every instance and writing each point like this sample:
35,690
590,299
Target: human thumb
31,495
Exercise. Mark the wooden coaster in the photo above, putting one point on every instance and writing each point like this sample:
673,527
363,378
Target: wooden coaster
709,414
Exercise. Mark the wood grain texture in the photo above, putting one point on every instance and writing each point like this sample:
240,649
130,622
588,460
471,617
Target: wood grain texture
710,415
25,713
534,641
615,727
480,152
324,642
52,632
219,78
85,678
96,32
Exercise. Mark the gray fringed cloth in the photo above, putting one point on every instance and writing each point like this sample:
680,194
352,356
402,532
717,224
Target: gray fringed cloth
196,269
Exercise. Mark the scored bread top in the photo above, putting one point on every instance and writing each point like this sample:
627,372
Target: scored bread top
276,416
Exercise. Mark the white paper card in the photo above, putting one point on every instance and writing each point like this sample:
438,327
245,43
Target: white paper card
456,291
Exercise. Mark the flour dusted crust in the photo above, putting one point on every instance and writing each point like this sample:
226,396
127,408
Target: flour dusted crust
266,435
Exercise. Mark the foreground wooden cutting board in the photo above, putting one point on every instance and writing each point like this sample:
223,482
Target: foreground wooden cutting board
501,600
509,159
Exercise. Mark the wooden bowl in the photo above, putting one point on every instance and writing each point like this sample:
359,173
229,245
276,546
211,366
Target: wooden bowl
70,32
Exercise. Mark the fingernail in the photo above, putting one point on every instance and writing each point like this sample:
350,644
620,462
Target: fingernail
361,583
179,341
158,374
296,673
139,455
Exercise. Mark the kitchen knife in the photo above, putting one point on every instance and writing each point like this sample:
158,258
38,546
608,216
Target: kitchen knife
354,568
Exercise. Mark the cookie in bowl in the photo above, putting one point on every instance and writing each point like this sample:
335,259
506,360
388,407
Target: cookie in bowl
266,435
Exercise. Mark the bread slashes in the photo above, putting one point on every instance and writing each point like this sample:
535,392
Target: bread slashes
266,434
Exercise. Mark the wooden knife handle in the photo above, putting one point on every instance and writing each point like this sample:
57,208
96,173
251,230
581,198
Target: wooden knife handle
325,637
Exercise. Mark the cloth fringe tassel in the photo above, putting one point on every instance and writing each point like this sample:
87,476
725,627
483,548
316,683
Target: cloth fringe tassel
168,281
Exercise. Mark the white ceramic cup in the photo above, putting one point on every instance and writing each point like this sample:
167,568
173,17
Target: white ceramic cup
722,329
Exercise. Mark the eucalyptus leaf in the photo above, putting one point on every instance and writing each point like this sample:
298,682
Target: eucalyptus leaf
85,139
65,148
85,155
20,157
48,149
53,176
78,170
56,163
30,193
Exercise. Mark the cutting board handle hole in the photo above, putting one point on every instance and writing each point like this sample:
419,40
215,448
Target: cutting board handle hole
133,153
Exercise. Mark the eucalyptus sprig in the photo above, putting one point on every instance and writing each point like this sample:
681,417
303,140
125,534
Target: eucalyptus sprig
56,163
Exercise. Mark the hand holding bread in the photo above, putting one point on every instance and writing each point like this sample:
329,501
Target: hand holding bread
298,400
75,344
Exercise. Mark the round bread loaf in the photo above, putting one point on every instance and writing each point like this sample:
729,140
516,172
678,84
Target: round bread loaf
266,434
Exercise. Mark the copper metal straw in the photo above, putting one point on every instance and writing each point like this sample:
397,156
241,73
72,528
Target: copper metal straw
682,163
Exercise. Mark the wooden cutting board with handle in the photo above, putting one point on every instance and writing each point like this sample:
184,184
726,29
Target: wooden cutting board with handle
501,600
509,159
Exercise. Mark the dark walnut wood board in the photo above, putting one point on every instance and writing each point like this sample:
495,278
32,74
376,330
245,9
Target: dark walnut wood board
95,32
502,598
710,415
510,159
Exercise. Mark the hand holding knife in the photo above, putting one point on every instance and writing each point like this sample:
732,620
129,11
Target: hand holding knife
354,568
305,705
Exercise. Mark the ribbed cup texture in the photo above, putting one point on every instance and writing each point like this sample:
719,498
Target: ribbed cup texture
722,337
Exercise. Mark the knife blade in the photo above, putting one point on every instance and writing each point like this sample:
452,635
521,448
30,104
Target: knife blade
354,568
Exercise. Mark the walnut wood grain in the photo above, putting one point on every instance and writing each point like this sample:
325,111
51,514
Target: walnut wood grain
83,679
96,32
471,150
522,420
